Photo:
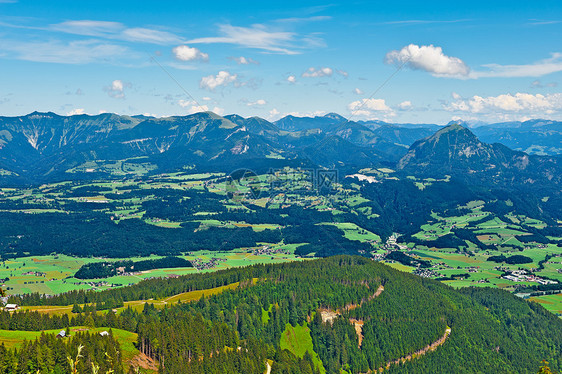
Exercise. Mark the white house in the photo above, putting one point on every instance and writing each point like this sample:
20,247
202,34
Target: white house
11,307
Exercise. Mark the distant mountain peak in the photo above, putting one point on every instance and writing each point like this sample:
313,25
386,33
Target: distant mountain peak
335,116
455,150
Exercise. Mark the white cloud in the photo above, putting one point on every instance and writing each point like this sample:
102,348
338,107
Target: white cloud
314,113
76,112
455,96
357,91
259,37
259,102
217,110
193,107
273,114
405,105
117,89
292,79
318,72
223,78
369,108
432,59
507,103
244,60
186,53
428,58
186,103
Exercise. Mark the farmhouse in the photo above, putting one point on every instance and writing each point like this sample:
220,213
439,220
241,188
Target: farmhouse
104,333
61,334
11,307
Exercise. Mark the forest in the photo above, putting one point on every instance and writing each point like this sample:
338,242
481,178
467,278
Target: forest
238,331
108,269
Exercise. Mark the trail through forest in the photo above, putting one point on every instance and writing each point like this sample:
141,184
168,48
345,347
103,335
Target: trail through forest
430,348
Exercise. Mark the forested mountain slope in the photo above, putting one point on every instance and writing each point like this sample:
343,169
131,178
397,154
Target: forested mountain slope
490,330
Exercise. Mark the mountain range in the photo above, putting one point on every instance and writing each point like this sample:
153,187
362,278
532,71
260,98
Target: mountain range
45,146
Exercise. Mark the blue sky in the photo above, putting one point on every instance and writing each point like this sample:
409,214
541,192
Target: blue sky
481,61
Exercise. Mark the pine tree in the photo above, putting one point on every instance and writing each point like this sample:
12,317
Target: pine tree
544,369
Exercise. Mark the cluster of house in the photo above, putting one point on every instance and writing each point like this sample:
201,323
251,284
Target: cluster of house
214,262
392,244
95,285
267,250
123,271
426,273
523,276
35,273
62,334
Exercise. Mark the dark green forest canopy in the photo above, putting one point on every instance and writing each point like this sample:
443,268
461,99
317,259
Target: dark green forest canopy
492,331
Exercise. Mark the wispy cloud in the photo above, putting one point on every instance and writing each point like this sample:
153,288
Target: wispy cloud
144,35
74,52
89,27
260,37
423,21
304,19
539,22
536,69
116,30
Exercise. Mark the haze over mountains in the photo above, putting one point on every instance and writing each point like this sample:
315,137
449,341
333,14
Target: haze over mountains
45,146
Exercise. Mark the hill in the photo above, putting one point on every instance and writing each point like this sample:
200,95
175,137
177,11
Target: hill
359,316
456,151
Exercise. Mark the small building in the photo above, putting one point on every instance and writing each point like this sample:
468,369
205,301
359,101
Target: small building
11,307
104,333
61,334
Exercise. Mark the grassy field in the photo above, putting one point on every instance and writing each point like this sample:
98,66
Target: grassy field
54,274
298,341
127,340
138,305
552,303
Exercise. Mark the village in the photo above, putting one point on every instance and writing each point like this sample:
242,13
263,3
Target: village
524,276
